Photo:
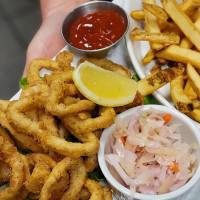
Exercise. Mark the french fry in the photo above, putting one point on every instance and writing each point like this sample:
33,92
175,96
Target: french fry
162,61
195,114
137,34
185,42
137,14
179,54
189,7
189,91
196,15
182,21
152,25
157,79
155,68
158,12
194,78
180,99
148,57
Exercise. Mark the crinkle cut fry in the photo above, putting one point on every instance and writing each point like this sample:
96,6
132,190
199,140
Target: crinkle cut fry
25,141
106,118
60,88
19,172
75,167
89,145
37,64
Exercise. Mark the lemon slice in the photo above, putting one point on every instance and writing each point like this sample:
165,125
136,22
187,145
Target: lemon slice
104,87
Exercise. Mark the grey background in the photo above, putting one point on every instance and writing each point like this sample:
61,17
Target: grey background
19,21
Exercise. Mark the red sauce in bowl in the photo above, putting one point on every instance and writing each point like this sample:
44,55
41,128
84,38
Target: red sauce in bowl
97,30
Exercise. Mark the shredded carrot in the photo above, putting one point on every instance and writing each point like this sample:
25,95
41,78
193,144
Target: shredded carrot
174,168
123,140
167,118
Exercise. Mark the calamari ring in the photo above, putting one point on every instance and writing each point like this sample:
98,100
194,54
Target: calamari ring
41,166
4,133
37,64
107,193
48,122
5,172
38,176
91,162
65,58
60,187
77,172
95,189
104,120
85,194
24,141
77,179
59,88
37,89
17,162
89,145
34,158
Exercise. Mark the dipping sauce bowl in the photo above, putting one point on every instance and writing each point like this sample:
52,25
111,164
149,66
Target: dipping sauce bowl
95,27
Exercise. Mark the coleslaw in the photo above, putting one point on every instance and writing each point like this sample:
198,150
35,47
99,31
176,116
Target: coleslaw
147,153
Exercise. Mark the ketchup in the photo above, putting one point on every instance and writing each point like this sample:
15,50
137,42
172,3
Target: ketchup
97,30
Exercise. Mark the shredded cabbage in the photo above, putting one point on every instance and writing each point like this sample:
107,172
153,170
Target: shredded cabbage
151,159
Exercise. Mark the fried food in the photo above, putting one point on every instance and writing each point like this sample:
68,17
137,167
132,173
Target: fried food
194,78
137,34
107,64
103,120
64,59
37,64
148,57
157,11
152,24
17,164
5,172
182,21
77,172
35,182
137,14
180,99
189,91
91,163
179,54
40,165
50,111
157,79
95,189
59,88
89,146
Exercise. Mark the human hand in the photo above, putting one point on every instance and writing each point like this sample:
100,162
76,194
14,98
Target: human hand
48,40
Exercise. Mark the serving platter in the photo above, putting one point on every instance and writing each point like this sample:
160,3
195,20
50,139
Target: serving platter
136,51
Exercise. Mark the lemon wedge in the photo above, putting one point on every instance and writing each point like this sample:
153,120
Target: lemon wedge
104,87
